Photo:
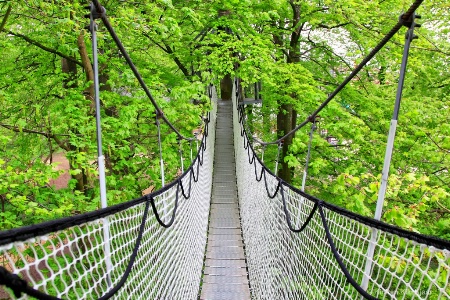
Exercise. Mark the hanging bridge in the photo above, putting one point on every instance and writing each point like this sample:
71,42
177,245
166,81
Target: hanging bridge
226,228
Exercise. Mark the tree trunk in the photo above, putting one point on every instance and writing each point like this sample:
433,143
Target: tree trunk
226,87
70,68
89,92
287,115
284,125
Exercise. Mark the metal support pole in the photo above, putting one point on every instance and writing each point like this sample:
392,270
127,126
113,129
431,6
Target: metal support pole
305,171
161,164
101,158
278,158
181,156
161,161
262,153
308,155
389,148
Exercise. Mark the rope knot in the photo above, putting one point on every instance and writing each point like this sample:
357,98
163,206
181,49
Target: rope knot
13,281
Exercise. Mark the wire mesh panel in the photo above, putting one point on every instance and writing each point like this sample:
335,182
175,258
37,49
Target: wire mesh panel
299,247
66,258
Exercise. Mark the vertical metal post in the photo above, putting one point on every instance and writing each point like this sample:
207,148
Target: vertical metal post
305,171
262,152
161,164
389,148
161,161
181,155
308,155
101,158
278,158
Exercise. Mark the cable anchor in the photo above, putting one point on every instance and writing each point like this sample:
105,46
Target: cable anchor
411,24
95,13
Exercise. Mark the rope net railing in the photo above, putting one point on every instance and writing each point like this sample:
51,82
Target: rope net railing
298,247
156,244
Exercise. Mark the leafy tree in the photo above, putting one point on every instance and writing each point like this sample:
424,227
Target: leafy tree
47,95
298,50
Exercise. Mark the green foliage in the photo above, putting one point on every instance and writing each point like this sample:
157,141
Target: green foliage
47,107
182,46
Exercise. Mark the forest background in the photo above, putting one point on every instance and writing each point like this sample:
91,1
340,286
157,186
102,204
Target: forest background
298,51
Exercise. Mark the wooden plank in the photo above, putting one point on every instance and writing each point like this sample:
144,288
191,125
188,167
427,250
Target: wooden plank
225,272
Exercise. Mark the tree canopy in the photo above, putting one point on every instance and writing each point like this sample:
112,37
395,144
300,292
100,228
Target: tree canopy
298,50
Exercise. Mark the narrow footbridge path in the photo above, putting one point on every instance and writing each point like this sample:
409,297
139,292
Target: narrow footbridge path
186,240
225,272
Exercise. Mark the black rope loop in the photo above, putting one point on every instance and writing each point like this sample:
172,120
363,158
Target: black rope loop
242,130
133,255
261,174
288,217
241,115
251,157
203,146
338,258
246,142
13,281
20,286
206,128
155,211
205,135
190,186
201,154
198,170
267,187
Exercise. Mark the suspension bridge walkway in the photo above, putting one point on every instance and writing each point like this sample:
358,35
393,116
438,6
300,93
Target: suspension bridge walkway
225,273
226,228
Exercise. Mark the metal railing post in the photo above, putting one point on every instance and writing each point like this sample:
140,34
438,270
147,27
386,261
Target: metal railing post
389,148
101,159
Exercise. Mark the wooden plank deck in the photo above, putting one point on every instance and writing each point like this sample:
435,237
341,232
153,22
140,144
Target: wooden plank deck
225,273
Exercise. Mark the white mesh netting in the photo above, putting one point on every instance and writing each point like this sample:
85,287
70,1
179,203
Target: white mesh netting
71,263
283,264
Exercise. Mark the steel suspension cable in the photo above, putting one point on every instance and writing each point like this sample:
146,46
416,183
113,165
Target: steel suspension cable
402,20
101,11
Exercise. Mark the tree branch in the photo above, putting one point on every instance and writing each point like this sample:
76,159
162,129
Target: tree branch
169,50
45,48
5,18
60,143
177,60
334,26
437,145
17,129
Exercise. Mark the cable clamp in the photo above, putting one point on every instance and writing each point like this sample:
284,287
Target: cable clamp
408,22
312,118
159,114
95,13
